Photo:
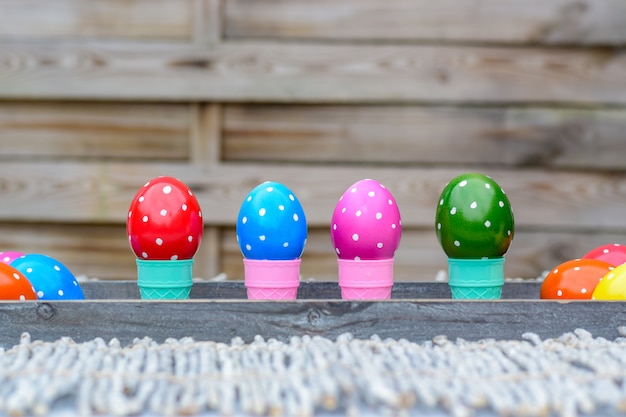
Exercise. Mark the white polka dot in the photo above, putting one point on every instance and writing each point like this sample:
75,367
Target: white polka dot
22,298
605,251
354,190
576,268
343,210
390,202
357,258
167,189
146,184
163,212
184,207
295,217
16,275
291,197
583,290
249,247
457,243
189,192
269,189
616,244
358,213
158,241
337,250
393,226
453,210
40,294
199,213
438,226
249,199
487,185
130,214
463,183
508,232
441,202
355,237
371,194
190,238
262,238
29,270
144,219
262,212
281,207
60,292
379,216
174,257
285,244
473,205
129,238
559,293
57,268
400,222
382,186
501,203
379,245
335,226
141,199
487,223
556,271
144,255
244,220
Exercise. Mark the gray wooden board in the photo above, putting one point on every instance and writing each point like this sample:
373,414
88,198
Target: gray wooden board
222,320
307,290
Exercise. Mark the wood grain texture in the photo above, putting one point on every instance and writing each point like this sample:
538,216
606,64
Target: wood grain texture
117,19
100,192
283,72
563,138
220,321
497,21
118,131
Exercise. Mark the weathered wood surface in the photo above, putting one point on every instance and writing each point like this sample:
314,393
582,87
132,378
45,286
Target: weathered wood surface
300,73
138,19
414,320
61,130
101,191
565,138
497,21
324,290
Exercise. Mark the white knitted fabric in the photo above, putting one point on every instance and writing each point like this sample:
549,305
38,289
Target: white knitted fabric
572,374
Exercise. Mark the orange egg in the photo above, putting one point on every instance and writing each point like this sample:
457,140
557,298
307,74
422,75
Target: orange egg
574,279
14,285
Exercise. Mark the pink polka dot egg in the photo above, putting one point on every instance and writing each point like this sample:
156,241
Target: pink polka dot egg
366,222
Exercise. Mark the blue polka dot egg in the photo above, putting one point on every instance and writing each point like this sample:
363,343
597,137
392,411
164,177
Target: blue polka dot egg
271,224
49,277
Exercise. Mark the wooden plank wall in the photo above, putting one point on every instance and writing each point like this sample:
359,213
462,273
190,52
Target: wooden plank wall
97,97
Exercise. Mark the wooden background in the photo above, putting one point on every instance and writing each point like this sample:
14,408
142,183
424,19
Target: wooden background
98,97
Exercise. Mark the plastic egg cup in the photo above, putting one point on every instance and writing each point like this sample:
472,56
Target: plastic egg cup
164,280
476,279
365,279
272,279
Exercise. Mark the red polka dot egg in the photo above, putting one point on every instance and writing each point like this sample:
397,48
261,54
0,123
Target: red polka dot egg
164,221
366,222
613,253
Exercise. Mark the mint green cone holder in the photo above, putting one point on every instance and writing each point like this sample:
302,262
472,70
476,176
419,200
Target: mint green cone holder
476,279
164,280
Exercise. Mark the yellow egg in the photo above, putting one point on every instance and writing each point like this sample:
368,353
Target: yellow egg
612,286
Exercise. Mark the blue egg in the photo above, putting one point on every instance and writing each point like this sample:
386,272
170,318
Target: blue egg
49,277
271,224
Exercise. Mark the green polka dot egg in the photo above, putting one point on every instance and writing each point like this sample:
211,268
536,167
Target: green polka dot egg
474,219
